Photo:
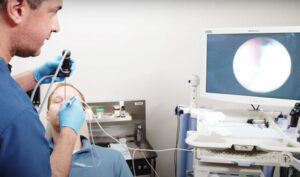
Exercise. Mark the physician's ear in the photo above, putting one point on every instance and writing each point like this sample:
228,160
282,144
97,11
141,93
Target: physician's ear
16,10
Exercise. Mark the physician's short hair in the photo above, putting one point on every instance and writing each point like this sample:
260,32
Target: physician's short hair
32,3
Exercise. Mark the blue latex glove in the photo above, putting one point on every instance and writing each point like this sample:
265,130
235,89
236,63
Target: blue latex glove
49,68
71,115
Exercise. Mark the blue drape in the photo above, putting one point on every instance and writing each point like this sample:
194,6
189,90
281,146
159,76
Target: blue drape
185,159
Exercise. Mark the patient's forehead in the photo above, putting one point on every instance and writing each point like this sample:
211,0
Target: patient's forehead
68,90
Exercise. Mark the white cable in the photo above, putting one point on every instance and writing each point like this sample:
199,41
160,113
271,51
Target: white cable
52,81
134,149
93,141
92,153
150,165
133,167
38,84
82,165
91,149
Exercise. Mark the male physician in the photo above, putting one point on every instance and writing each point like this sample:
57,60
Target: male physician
24,151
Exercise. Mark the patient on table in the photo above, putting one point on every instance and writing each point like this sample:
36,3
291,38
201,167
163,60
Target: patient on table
87,160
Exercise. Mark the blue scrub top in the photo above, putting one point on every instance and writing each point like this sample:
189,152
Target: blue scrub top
24,150
105,162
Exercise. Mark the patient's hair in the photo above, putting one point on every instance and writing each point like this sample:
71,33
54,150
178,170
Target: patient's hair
64,85
32,3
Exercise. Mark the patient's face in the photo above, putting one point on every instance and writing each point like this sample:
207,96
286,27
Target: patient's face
57,99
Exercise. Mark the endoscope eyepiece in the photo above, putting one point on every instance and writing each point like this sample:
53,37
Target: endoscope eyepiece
68,55
66,66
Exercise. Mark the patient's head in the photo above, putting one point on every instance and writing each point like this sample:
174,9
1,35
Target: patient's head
57,98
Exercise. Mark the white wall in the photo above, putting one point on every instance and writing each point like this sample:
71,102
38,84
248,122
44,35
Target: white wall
145,49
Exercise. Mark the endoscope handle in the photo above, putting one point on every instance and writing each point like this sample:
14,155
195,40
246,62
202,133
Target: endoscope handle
295,113
66,66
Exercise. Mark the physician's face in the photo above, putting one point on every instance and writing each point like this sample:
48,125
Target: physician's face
36,27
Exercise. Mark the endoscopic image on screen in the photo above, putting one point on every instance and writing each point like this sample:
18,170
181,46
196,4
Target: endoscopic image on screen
258,64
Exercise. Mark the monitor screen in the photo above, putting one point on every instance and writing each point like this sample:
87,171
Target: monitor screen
256,66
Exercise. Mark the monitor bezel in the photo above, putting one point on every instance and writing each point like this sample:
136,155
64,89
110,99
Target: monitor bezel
264,101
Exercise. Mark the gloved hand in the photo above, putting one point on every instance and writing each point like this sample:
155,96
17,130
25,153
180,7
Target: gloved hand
49,68
71,115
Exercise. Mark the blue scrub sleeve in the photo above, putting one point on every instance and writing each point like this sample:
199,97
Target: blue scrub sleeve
123,169
24,149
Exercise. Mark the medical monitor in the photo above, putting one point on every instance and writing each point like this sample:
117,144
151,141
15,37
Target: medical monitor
259,66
